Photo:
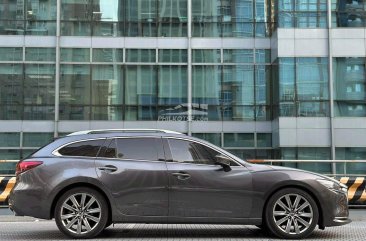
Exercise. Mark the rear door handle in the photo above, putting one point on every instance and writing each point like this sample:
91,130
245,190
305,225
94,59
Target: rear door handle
108,168
181,175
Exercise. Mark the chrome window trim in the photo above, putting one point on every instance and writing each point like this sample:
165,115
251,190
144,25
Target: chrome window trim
204,144
56,153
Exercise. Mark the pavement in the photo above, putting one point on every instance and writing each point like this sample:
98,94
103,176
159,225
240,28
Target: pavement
25,228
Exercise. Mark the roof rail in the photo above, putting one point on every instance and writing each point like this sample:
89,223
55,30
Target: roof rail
101,131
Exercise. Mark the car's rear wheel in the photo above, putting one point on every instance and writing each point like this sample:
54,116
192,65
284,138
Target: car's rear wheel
291,213
81,213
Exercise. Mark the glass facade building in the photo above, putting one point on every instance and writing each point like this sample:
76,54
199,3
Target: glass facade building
261,78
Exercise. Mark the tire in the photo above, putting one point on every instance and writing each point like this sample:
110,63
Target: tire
291,221
81,213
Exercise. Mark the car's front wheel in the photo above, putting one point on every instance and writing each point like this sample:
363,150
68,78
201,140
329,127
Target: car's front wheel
81,213
291,213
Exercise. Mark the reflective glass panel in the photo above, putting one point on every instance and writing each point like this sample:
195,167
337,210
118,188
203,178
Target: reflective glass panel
214,138
238,56
75,55
141,17
287,79
264,140
41,10
40,54
113,113
206,56
75,28
263,56
140,55
107,55
141,85
76,10
351,153
40,28
75,84
173,56
172,85
11,84
9,155
11,54
107,85
239,139
312,79
349,87
9,139
39,112
348,13
262,84
206,84
172,18
238,85
36,139
39,84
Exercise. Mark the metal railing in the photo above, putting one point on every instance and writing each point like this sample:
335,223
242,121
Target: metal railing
343,168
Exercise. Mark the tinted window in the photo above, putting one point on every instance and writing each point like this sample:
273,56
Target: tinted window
191,152
138,148
84,148
108,149
110,152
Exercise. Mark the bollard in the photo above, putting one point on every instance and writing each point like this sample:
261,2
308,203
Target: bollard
6,185
356,189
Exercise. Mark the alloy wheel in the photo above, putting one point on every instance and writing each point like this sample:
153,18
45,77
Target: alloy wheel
81,213
293,214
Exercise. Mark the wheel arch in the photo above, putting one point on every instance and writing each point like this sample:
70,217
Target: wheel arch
81,184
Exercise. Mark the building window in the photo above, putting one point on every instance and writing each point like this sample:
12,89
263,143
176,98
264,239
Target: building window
306,153
349,87
348,13
351,153
303,87
302,13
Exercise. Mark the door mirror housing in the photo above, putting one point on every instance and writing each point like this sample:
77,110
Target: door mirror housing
224,162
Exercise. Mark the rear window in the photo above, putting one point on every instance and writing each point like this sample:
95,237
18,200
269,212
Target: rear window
83,148
133,149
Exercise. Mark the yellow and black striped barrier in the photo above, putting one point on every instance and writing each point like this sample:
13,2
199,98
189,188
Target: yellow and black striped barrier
356,189
6,184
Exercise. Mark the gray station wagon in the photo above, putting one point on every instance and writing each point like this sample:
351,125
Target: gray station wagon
88,180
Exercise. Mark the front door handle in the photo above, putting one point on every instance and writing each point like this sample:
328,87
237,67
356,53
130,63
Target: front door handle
108,168
181,175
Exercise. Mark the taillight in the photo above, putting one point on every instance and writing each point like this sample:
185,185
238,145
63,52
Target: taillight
23,166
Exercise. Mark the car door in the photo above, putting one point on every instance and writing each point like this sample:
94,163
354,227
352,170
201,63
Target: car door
198,188
134,172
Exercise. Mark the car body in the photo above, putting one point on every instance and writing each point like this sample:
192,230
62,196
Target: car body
156,176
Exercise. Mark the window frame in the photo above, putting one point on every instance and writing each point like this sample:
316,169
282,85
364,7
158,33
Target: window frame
56,153
169,156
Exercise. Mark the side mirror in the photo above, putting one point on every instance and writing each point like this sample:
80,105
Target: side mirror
224,162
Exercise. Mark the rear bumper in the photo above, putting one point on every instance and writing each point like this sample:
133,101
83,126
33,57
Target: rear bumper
28,203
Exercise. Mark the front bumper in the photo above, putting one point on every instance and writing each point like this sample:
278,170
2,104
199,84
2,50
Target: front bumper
339,221
335,209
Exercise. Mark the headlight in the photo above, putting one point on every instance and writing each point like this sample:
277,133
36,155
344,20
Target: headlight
333,185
